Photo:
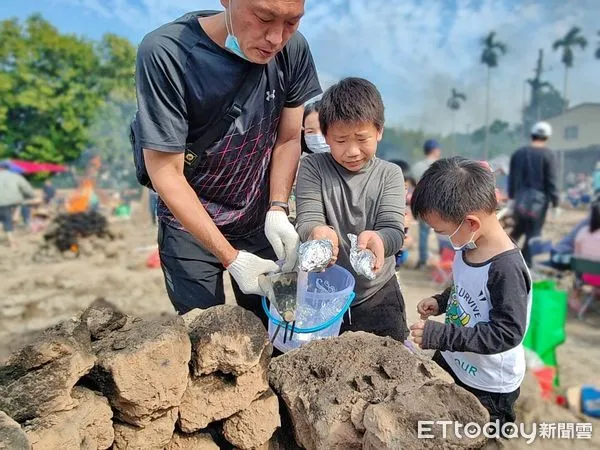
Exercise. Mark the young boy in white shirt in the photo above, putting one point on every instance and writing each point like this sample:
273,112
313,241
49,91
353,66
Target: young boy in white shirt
488,305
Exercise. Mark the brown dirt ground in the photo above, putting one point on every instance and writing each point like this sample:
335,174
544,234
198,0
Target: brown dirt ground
36,295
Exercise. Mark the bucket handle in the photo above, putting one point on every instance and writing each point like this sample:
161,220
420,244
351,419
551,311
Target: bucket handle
324,325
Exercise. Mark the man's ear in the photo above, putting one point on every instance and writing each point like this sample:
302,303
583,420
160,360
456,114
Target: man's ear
380,135
225,3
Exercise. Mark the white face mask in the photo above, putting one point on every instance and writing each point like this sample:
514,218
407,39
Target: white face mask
469,245
316,143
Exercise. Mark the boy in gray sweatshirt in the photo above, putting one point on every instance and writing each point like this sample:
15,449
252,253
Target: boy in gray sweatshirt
350,190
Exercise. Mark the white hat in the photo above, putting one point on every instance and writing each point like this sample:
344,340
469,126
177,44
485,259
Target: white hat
542,129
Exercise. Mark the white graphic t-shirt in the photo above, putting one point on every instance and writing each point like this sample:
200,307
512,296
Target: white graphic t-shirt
487,314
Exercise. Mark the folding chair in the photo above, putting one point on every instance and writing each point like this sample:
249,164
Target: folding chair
587,272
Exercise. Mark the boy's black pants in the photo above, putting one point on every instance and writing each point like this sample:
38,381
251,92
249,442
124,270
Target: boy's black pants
501,406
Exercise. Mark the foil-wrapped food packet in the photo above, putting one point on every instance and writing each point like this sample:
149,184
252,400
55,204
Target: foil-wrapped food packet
315,256
362,261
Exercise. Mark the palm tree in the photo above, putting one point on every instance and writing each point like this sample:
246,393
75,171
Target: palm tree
598,49
571,40
492,50
454,103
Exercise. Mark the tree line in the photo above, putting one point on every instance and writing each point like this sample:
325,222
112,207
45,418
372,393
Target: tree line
62,94
545,100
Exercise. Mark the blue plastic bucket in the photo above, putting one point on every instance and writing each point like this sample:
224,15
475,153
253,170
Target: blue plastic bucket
323,299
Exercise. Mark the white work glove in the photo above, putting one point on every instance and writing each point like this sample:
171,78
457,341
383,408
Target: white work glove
247,269
283,238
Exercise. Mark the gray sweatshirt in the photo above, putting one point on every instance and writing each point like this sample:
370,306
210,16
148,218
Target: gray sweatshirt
14,189
352,202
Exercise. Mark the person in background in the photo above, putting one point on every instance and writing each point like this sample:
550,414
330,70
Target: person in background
587,246
152,205
350,190
587,241
432,152
532,174
14,190
49,192
313,140
26,214
409,187
596,179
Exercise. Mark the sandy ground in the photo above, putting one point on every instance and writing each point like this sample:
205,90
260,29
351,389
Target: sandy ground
36,295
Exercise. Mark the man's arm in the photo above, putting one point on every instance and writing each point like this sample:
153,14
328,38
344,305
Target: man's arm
512,175
286,154
284,164
26,188
166,172
550,179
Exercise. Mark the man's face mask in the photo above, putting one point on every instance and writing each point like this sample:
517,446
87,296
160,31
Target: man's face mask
231,43
469,245
316,143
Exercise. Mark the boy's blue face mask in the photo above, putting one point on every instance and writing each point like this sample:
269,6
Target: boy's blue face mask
231,43
469,245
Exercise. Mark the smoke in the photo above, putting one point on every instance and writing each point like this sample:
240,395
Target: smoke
415,51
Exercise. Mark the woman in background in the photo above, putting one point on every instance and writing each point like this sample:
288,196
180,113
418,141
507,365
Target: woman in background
313,140
587,246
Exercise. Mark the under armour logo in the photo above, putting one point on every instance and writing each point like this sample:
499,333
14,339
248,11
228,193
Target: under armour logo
271,95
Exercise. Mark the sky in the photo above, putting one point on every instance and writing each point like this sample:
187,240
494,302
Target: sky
414,51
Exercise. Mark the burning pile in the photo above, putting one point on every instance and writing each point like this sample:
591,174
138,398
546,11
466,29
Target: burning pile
66,229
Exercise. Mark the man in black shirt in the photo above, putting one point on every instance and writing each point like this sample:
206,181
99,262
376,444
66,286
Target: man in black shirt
532,173
230,213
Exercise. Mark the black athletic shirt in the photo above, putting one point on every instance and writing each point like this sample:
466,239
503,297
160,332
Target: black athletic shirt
533,167
182,79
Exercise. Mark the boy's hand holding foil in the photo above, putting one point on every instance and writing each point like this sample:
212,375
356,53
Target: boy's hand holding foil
317,247
367,253
370,240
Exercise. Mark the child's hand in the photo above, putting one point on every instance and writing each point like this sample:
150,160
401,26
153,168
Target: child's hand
372,241
325,232
416,332
428,307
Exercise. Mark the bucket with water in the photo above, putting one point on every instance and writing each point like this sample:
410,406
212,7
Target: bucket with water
322,299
